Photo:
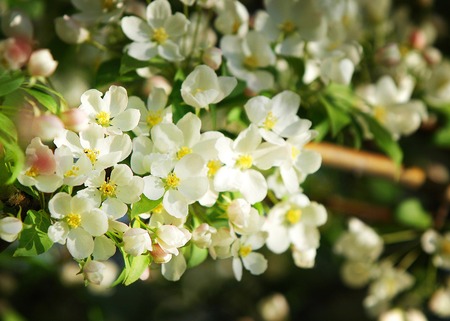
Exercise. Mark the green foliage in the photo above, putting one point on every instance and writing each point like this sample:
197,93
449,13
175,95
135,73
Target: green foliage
34,239
13,159
44,99
134,267
411,213
10,82
144,205
194,255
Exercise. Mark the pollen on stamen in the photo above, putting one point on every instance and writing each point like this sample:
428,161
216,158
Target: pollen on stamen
213,166
32,172
293,216
172,180
72,172
103,119
270,121
183,151
245,250
92,154
160,35
108,189
244,162
251,62
73,220
153,118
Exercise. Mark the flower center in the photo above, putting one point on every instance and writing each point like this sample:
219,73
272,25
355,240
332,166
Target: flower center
287,27
92,154
172,180
244,162
72,172
183,151
108,189
158,209
103,119
270,121
153,118
251,62
32,172
379,112
213,166
294,152
293,216
245,250
73,220
160,35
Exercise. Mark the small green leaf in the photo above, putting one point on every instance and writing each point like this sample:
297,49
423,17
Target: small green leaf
194,255
15,157
8,132
128,64
411,213
442,136
46,100
9,82
108,72
338,117
144,205
34,239
138,264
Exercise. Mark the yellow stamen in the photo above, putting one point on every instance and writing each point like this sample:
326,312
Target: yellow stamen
213,166
183,151
103,119
293,216
73,220
294,152
251,62
160,35
72,172
92,154
244,162
108,189
379,112
154,118
158,209
172,180
245,250
270,121
287,27
32,172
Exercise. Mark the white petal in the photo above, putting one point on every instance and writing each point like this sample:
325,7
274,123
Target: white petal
256,263
308,161
226,84
80,243
167,137
193,188
237,268
157,12
189,166
59,205
253,186
153,187
58,232
170,51
94,222
174,269
127,120
176,25
131,193
190,125
136,29
226,179
248,140
104,248
114,208
142,50
257,109
175,204
278,240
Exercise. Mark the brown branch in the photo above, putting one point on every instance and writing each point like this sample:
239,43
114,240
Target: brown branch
367,163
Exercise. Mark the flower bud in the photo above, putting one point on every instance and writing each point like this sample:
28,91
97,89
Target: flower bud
440,303
74,119
10,227
159,255
70,30
136,241
17,24
47,127
212,57
93,272
41,63
171,238
15,52
432,55
202,235
418,39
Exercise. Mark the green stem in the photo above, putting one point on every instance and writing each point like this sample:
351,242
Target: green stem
397,237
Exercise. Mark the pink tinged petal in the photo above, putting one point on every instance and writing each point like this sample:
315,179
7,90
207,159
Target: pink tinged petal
248,140
95,222
153,187
308,161
41,157
114,208
80,243
131,193
92,103
58,232
278,240
193,188
167,137
174,269
142,51
116,100
136,29
176,25
175,204
59,205
257,109
157,12
170,51
256,263
253,186
237,268
104,248
127,120
314,215
189,166
290,178
190,125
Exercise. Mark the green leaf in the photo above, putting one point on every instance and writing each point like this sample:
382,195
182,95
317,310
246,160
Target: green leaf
322,129
442,137
383,139
194,255
144,205
411,213
128,64
46,100
34,239
10,82
8,132
138,264
15,157
338,117
108,72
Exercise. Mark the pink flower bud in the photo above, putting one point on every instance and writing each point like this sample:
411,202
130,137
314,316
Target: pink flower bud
47,127
41,63
15,52
70,30
432,55
418,39
159,255
74,119
212,57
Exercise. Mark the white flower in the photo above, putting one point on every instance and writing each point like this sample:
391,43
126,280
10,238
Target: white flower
245,56
242,251
180,187
221,242
41,63
244,219
74,171
111,111
40,168
202,235
294,221
232,18
10,228
153,113
170,238
439,303
98,11
202,87
156,36
136,241
78,221
398,314
439,246
437,87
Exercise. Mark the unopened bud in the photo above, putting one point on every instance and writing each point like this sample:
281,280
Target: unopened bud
70,30
75,119
212,57
93,272
41,63
10,227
